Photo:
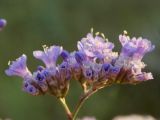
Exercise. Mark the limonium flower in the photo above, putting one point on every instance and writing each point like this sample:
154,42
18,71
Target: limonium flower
3,23
102,67
97,47
18,67
130,59
49,79
94,65
49,56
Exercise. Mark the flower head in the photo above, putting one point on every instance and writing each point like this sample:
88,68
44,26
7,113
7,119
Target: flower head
97,47
94,65
125,68
51,79
130,59
135,48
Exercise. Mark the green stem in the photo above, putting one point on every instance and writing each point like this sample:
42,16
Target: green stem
81,102
67,110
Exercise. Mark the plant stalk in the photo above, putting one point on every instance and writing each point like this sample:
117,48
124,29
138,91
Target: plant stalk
83,98
67,110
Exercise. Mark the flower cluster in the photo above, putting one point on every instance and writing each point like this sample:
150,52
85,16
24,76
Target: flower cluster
3,23
94,65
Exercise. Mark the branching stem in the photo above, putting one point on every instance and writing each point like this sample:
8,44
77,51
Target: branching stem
81,101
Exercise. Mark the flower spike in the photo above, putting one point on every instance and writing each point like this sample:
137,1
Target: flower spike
94,65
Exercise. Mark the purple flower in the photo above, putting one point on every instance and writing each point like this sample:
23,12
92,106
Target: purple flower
65,71
91,71
27,87
65,55
80,57
18,67
105,68
49,56
52,79
135,48
97,47
94,65
88,73
132,52
3,23
40,79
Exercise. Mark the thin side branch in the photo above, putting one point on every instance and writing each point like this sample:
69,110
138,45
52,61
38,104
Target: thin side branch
83,98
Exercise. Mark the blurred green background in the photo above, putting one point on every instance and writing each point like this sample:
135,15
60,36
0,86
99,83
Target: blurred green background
33,23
